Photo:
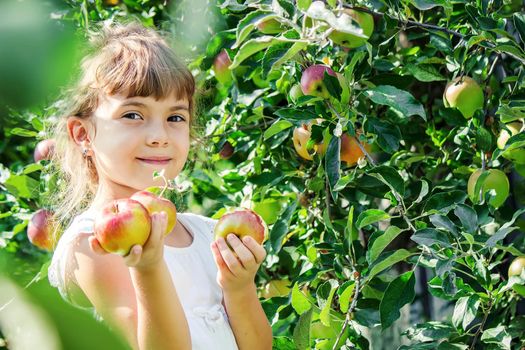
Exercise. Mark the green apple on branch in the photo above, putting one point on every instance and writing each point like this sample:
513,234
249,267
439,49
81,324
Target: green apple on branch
465,94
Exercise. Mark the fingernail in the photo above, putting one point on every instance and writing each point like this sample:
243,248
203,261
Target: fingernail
246,239
231,236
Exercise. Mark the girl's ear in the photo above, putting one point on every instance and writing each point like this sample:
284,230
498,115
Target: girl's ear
78,130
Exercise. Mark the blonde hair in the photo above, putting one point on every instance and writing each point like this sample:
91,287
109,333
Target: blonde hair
123,58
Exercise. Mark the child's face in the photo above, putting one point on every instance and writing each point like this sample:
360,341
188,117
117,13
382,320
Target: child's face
136,136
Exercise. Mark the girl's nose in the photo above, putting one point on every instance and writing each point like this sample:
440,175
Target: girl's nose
157,136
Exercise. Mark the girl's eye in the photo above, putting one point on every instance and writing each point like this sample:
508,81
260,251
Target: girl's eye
176,118
134,116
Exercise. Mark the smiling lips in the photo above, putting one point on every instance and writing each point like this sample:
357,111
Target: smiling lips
155,160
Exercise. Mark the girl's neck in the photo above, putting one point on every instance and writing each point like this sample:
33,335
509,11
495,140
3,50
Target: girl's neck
109,192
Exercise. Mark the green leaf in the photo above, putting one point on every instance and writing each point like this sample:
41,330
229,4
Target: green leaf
274,54
443,222
381,242
23,132
390,177
22,186
429,236
345,297
388,134
278,58
248,23
304,4
468,217
371,216
251,47
505,229
497,335
398,293
332,85
386,260
425,72
276,128
332,164
443,201
300,302
465,311
280,228
511,110
400,100
301,332
324,316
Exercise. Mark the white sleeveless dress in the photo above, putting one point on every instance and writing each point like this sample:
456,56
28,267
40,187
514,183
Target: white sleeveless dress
192,270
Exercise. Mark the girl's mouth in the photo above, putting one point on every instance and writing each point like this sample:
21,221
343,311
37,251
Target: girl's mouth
155,160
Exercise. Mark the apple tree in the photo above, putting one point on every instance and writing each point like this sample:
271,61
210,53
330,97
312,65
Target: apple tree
381,141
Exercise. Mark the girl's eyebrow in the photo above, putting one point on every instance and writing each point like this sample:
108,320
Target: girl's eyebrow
139,104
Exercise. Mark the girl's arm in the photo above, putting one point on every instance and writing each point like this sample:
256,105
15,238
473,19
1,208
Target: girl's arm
236,276
135,294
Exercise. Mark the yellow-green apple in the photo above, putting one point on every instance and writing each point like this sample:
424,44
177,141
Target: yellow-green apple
516,155
295,93
242,222
269,209
111,2
465,94
515,269
221,67
156,204
364,20
44,150
227,150
270,26
495,181
121,224
312,80
40,229
350,150
276,288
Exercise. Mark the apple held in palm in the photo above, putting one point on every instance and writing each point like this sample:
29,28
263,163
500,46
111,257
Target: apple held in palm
242,222
153,203
121,224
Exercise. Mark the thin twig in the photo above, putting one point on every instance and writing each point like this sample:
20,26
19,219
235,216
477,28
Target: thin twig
350,309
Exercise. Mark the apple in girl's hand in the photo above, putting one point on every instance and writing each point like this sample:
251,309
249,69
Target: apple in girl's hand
40,230
242,222
156,204
122,224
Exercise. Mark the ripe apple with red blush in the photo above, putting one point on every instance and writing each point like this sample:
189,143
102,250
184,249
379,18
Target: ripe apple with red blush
242,222
40,230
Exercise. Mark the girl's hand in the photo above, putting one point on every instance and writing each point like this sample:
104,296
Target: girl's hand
142,257
237,268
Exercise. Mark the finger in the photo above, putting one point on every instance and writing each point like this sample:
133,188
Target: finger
221,264
158,227
95,246
257,249
234,265
134,255
243,253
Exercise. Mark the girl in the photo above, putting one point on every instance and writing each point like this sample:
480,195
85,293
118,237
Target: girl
129,115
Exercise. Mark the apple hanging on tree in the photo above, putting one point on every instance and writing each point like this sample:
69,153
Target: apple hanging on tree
312,80
40,230
465,94
365,22
496,181
221,68
516,155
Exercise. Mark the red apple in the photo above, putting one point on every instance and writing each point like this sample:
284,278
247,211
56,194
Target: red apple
312,80
40,230
122,224
301,136
226,150
242,222
156,204
221,67
44,150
